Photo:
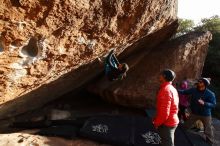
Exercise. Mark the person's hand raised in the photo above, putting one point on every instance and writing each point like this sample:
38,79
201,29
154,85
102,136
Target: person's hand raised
201,101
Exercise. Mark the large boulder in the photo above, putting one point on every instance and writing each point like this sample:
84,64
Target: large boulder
185,55
49,48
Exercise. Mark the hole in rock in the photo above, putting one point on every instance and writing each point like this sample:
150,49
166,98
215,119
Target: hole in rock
15,3
31,49
16,43
1,47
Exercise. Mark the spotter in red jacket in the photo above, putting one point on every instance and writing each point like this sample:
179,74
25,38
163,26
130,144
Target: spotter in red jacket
167,106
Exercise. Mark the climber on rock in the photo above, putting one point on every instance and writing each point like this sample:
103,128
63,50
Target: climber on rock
113,69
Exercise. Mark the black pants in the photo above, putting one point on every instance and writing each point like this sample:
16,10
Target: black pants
182,112
167,135
207,122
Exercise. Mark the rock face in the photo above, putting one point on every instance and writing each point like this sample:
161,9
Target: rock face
49,48
185,55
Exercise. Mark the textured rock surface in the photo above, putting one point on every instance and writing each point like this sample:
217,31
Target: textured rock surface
25,139
49,48
185,55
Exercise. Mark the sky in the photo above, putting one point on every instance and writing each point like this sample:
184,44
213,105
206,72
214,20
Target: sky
197,9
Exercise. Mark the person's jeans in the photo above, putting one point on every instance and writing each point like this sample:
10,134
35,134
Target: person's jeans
167,135
207,122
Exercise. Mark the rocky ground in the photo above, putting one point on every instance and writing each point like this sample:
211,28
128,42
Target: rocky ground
25,139
216,124
84,106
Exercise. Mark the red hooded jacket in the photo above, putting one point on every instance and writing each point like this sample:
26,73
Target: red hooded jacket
167,106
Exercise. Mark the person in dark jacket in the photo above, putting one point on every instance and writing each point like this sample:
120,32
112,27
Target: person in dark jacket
202,102
166,119
113,69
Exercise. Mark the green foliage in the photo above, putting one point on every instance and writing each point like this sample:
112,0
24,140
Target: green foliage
212,63
210,24
185,26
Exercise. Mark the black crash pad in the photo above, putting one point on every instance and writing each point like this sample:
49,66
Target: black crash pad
121,130
132,131
108,129
66,131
